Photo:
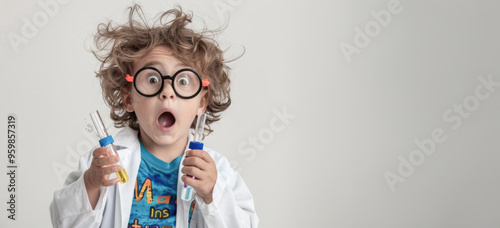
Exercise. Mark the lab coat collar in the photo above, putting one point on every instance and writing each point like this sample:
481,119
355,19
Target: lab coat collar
127,138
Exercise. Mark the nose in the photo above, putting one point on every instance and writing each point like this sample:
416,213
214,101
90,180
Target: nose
168,90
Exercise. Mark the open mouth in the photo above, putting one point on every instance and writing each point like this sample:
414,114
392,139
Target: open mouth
166,119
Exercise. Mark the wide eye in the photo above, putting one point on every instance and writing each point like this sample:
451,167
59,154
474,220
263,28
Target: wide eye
183,80
153,79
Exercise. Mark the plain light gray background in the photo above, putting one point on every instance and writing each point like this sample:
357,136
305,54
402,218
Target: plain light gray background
350,122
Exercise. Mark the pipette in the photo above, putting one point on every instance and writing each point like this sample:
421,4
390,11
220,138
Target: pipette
107,141
196,144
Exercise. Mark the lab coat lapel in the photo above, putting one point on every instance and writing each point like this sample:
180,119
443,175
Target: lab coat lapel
125,193
130,155
182,206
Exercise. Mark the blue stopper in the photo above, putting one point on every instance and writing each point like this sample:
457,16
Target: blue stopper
193,145
106,141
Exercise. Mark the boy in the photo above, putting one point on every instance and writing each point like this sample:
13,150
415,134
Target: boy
157,80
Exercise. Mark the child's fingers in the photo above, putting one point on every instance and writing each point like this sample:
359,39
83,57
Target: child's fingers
200,159
193,171
110,182
104,171
196,162
190,181
200,154
98,176
101,152
103,161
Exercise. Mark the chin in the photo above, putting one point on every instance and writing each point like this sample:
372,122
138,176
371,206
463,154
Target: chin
165,140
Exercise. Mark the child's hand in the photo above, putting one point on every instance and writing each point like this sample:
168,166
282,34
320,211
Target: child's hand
101,167
200,165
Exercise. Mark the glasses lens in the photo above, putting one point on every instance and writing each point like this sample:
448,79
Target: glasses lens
148,81
186,83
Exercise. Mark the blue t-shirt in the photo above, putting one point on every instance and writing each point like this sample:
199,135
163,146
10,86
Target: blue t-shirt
155,196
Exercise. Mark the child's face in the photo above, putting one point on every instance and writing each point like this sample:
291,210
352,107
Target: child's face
164,119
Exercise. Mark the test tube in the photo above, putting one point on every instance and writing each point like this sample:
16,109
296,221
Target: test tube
107,141
196,144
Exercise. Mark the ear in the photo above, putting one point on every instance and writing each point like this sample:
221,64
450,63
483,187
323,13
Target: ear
127,99
203,103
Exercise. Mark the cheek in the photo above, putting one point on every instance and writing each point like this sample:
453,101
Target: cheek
139,104
190,110
195,106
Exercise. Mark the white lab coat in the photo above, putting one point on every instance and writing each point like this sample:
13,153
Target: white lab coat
232,204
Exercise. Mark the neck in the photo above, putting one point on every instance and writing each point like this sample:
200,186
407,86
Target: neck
166,153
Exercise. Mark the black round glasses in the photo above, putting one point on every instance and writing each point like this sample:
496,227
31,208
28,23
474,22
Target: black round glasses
149,82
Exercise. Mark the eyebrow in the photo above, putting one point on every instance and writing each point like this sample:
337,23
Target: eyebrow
154,62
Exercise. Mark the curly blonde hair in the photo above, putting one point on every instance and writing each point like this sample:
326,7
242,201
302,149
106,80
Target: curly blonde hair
119,46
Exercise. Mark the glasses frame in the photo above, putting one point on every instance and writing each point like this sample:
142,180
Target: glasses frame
171,78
